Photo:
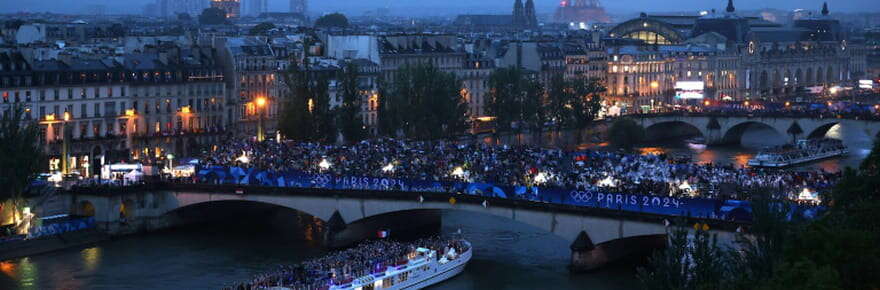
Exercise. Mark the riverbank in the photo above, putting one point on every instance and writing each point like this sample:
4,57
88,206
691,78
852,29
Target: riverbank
24,248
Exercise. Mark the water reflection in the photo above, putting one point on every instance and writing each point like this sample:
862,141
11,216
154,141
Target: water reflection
28,274
91,257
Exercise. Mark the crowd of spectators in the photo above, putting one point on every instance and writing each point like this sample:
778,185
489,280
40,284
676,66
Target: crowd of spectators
343,267
515,166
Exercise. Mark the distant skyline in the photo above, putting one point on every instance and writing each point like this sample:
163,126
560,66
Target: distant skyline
452,7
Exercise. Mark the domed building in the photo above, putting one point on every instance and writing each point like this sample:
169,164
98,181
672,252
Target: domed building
731,57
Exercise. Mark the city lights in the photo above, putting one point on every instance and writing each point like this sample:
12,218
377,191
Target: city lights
324,164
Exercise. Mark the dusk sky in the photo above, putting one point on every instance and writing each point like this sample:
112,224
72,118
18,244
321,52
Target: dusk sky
452,7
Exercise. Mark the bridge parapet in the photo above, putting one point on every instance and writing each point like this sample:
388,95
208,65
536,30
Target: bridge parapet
718,129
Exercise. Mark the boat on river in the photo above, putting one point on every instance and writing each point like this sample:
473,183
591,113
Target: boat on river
423,268
696,143
803,151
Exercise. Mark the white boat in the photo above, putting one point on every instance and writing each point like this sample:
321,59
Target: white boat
804,151
696,143
425,268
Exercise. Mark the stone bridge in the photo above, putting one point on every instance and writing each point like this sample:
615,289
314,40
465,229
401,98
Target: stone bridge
726,130
597,235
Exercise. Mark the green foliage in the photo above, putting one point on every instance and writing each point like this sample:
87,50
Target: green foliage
423,103
668,269
262,28
837,251
625,133
337,20
184,17
21,157
515,99
685,264
306,115
575,103
803,274
348,115
212,16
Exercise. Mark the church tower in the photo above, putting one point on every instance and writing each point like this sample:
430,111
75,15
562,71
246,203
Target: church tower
530,18
518,13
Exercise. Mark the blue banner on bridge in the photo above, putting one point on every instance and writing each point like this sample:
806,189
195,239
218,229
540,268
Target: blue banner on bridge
62,227
662,205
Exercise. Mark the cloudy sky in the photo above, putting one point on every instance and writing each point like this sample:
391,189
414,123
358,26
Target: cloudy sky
451,7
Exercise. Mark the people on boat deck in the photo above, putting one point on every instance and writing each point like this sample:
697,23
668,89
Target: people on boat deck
340,268
609,172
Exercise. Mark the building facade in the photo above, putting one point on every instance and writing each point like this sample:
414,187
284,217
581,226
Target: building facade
253,82
735,58
140,107
231,7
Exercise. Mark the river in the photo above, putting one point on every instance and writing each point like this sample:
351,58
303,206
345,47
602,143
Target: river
507,255
754,139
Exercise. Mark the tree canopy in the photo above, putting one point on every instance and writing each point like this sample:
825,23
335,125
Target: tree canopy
262,28
423,103
837,250
337,20
515,99
306,114
212,16
21,157
348,116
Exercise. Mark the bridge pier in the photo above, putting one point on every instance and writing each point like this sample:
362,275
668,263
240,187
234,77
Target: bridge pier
586,256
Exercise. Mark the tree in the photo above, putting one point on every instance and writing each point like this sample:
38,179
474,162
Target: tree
333,20
184,17
424,103
794,130
306,115
685,264
515,99
212,16
262,28
348,114
625,133
21,157
586,104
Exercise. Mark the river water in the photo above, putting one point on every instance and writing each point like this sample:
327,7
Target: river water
507,255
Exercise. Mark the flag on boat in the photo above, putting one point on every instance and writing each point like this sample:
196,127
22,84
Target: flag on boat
383,233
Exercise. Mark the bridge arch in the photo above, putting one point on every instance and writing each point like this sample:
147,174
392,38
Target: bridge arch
820,131
219,202
673,128
127,209
735,133
85,208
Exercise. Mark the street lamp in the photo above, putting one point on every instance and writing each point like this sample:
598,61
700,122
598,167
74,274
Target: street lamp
261,104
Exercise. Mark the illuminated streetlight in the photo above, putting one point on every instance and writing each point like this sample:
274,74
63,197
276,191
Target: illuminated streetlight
261,104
